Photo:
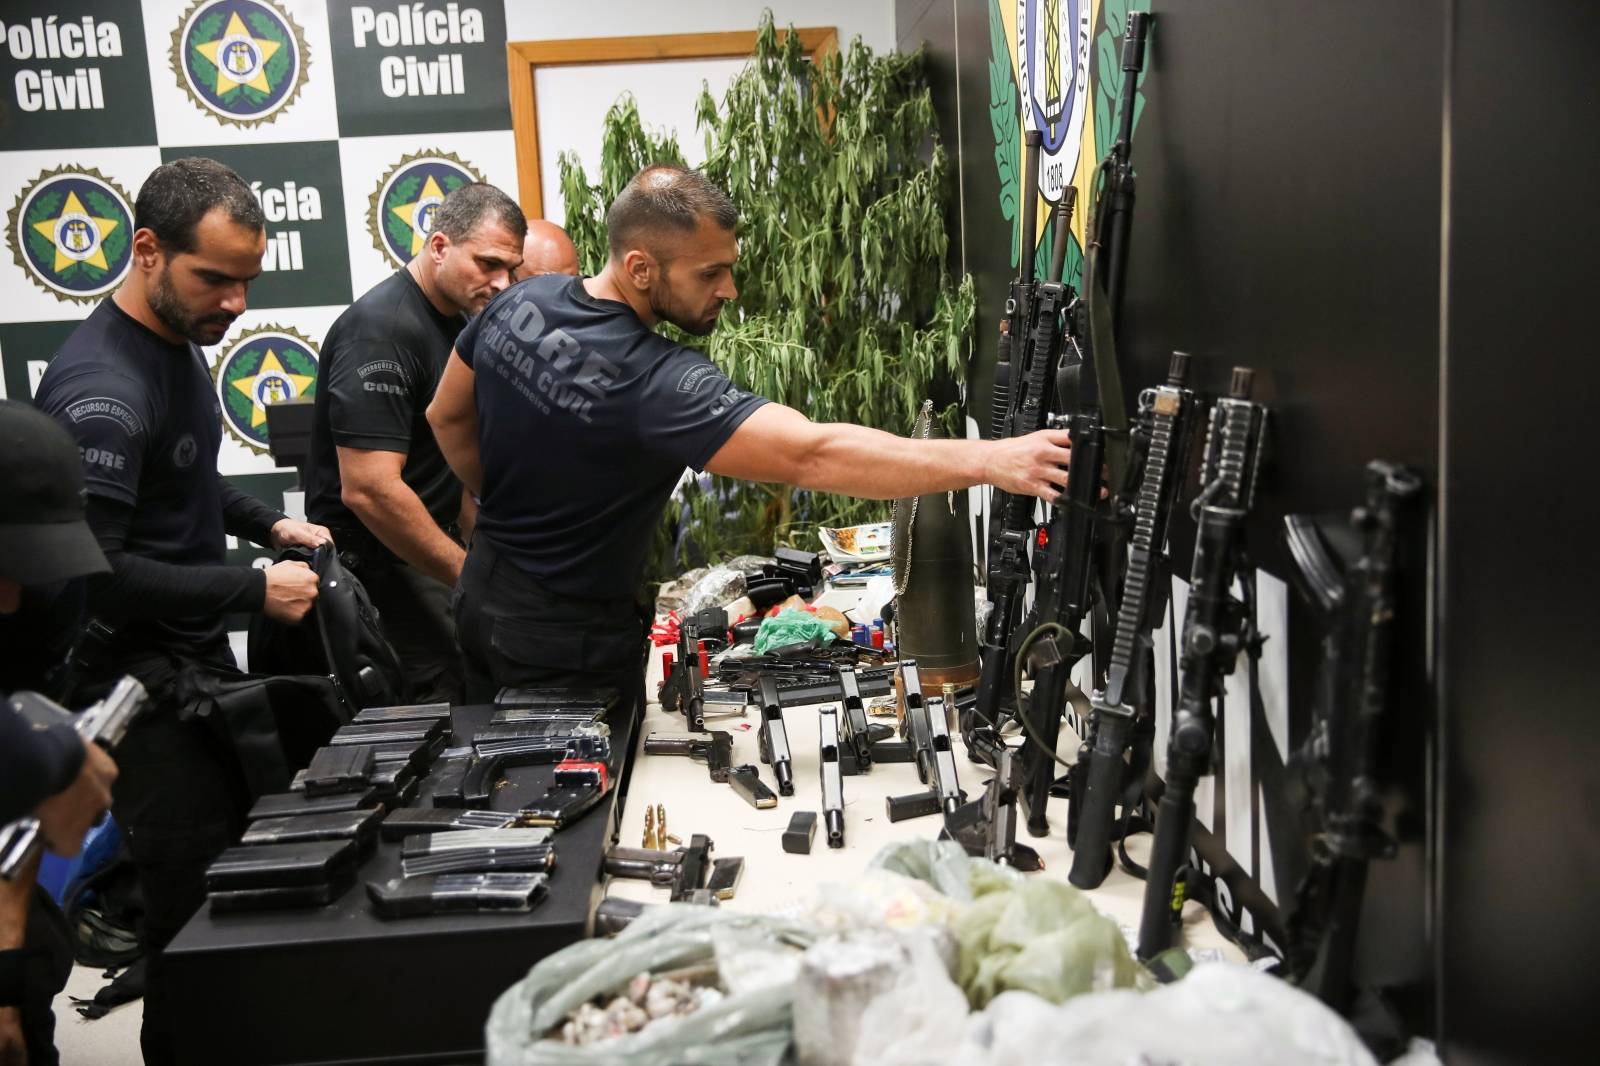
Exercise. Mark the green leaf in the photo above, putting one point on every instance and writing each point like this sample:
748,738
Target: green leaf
208,28
1115,15
844,309
1003,114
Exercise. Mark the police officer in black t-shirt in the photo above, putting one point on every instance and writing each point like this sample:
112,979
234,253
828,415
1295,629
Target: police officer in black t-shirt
375,475
572,421
131,387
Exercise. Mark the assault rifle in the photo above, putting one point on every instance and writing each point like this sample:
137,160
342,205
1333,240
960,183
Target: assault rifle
1340,758
1029,393
1215,630
1165,426
1105,261
1014,378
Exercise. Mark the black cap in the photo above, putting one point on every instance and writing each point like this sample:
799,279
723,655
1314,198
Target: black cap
43,535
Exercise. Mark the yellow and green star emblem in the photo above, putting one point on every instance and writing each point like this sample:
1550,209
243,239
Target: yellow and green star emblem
414,214
270,383
239,58
69,232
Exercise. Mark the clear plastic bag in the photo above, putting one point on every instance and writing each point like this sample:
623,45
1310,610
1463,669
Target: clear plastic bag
1221,1014
752,1024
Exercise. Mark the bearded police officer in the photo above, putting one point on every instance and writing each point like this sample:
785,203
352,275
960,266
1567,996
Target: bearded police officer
375,475
573,420
130,385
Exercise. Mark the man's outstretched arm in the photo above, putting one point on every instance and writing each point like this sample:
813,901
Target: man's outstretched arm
779,444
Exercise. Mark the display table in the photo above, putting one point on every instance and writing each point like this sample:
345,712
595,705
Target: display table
775,879
337,984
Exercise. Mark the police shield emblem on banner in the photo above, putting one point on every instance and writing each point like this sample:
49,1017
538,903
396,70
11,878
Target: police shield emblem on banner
262,367
244,61
1053,60
400,210
71,231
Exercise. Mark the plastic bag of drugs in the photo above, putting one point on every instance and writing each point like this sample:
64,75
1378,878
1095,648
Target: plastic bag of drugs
1221,1014
1039,936
748,1020
872,993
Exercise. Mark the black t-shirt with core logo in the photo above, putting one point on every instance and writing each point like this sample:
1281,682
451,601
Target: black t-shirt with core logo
147,423
376,375
586,421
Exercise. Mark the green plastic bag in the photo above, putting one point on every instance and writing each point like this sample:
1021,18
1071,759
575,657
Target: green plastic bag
792,627
1020,933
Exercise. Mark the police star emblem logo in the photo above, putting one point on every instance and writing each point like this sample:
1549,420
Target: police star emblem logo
1053,57
71,232
259,368
243,61
401,209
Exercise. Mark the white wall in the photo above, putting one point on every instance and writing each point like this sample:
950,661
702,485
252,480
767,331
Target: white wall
544,20
572,101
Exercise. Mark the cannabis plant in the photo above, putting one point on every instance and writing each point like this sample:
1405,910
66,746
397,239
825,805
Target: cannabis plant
845,309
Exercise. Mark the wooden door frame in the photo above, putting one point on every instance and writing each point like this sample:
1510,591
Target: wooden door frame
524,58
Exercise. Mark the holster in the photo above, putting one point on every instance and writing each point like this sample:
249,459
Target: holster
272,724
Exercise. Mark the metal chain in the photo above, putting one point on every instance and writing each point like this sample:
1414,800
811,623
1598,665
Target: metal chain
921,429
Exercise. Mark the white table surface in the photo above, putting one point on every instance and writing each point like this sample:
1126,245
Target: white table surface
774,879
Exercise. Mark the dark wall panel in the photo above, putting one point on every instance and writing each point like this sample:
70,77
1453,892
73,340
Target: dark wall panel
1287,219
1521,847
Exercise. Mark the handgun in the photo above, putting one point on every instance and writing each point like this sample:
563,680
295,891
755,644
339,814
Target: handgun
774,736
104,723
832,781
715,748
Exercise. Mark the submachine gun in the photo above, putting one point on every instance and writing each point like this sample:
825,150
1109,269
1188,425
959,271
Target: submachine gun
1167,417
1216,628
1340,757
